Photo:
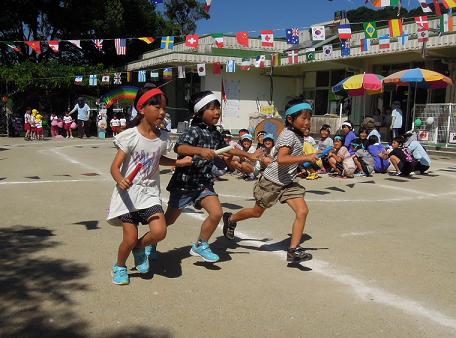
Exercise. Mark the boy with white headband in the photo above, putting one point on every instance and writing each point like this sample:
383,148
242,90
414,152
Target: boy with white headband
347,129
277,182
195,184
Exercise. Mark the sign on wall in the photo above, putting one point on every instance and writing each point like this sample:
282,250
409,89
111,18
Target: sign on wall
232,107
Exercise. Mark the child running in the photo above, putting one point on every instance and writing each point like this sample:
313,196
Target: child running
137,199
277,183
195,184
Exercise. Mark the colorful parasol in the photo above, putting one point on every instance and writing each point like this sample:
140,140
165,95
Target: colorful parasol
360,84
423,78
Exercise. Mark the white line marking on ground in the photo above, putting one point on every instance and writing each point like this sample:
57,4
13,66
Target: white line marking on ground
355,233
52,181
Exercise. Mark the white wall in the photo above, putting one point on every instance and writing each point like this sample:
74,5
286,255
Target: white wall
253,85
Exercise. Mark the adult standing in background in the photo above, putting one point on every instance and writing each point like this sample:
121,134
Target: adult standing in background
396,119
83,117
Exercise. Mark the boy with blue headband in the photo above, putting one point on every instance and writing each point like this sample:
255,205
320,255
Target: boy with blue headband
277,182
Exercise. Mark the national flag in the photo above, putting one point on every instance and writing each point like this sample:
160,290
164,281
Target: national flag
129,76
403,39
370,30
365,44
77,43
422,23
167,73
92,80
246,63
98,43
217,68
54,45
243,38
78,79
267,38
207,6
201,69
385,3
395,27
384,41
423,36
344,31
142,76
310,54
14,48
293,56
147,39
154,75
424,6
327,51
292,36
218,37
449,3
260,61
181,72
438,12
121,46
192,40
117,78
230,66
276,60
105,79
318,33
167,42
35,45
446,23
345,48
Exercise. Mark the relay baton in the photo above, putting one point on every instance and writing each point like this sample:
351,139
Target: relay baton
135,171
320,155
224,150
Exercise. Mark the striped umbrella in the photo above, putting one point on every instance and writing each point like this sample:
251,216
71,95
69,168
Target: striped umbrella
422,78
360,84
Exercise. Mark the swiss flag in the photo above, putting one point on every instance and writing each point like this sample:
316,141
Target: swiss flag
243,38
35,45
192,41
267,38
54,45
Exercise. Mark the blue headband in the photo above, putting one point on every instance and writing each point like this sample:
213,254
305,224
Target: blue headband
338,138
297,107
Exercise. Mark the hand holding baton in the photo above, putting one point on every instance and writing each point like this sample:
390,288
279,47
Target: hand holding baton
224,150
320,155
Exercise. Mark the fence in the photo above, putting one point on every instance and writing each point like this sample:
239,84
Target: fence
435,123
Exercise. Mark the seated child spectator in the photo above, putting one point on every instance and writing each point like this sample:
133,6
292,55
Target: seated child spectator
349,135
364,162
400,157
325,142
340,159
420,155
378,151
266,158
260,138
309,139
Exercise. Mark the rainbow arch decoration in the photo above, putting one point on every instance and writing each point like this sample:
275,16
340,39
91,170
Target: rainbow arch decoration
123,95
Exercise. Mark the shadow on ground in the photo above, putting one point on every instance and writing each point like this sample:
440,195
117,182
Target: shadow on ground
36,290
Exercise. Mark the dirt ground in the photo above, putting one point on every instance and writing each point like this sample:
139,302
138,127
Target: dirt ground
383,250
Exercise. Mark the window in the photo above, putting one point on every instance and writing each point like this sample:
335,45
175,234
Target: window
322,79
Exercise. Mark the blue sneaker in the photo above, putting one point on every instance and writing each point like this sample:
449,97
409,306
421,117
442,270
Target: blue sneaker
119,275
141,261
151,252
204,251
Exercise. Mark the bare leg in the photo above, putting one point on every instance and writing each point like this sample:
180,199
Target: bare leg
171,215
130,237
156,233
395,162
301,210
212,206
247,213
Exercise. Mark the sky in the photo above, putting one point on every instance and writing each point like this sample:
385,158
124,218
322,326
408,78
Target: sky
231,16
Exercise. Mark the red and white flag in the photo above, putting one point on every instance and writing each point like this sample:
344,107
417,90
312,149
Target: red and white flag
192,40
293,56
267,38
77,43
207,6
423,36
424,6
98,43
422,23
54,45
14,48
35,45
121,46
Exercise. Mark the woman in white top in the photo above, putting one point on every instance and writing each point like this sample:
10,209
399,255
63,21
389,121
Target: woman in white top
83,117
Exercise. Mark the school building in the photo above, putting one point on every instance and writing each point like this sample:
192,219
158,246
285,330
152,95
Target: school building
255,91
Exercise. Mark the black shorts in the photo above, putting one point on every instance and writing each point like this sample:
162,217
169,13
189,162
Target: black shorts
141,216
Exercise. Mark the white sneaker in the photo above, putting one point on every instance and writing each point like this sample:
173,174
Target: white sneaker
67,136
71,136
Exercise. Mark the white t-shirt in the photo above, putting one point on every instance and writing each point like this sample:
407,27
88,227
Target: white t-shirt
396,116
67,119
145,191
27,118
39,124
32,120
83,113
123,122
115,123
310,140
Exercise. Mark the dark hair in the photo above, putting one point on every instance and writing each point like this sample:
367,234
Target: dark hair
362,129
243,130
325,127
399,139
292,103
198,116
154,101
373,139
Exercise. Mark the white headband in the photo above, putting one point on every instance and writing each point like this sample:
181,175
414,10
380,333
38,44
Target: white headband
204,101
347,124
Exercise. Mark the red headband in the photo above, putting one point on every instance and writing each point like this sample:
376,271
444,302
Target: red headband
147,96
